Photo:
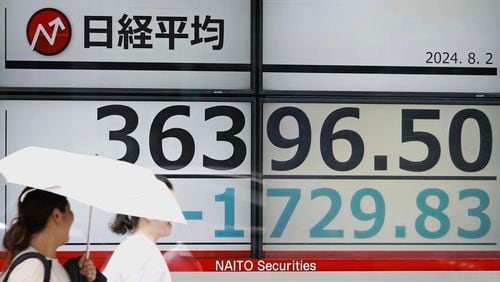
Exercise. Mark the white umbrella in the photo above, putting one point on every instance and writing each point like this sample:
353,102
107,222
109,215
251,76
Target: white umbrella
111,185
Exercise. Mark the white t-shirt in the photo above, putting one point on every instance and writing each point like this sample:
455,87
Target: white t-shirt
32,270
137,259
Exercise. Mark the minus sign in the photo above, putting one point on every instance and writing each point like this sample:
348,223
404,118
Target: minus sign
193,215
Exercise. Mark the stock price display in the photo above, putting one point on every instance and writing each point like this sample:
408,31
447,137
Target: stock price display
192,138
203,147
377,176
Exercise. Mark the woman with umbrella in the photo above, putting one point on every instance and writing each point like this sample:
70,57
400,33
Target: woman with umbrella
43,224
111,185
138,259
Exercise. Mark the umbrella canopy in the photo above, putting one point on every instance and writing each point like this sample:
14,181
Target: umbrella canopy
111,185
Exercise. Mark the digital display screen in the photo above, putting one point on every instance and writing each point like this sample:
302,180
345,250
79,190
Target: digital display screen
384,46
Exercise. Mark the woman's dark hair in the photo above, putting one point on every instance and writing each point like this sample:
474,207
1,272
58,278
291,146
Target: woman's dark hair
34,207
124,223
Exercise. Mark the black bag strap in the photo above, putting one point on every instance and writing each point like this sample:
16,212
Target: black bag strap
47,264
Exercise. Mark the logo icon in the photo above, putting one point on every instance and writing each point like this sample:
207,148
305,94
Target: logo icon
48,31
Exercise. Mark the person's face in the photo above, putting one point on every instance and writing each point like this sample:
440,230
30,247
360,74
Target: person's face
67,218
161,228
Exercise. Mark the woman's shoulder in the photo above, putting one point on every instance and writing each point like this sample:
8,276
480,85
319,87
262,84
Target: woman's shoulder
138,249
133,249
135,257
33,269
137,242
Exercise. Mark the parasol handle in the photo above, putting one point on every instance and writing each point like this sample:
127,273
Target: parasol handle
87,251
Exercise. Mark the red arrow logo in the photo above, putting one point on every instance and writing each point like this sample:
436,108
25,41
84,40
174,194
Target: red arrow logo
48,31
